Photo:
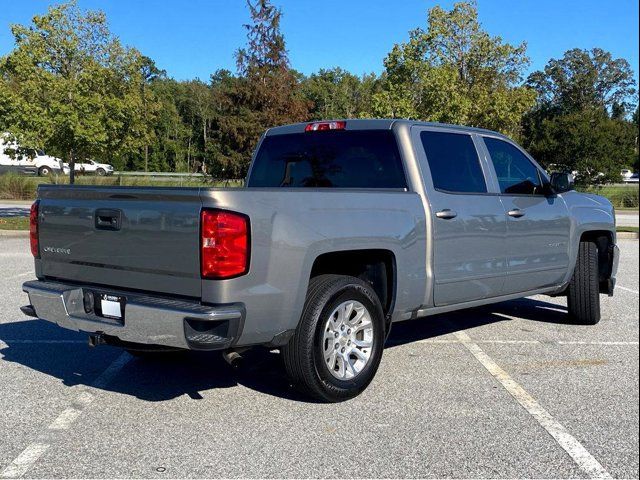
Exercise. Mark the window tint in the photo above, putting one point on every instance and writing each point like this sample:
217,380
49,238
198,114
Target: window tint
453,162
335,159
516,173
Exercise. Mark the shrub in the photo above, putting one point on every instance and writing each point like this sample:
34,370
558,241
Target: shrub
17,187
621,196
21,187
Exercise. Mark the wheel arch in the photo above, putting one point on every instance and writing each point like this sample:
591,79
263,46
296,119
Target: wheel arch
375,266
605,241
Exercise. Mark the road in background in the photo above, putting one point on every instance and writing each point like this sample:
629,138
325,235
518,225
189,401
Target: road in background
14,209
437,407
627,219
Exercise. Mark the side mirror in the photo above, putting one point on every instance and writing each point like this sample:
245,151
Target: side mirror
561,182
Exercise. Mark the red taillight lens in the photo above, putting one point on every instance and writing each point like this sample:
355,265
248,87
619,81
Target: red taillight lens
224,244
33,230
323,126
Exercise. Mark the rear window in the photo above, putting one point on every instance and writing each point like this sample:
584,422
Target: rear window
453,162
329,159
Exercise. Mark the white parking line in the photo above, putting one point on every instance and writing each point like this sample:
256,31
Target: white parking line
526,342
627,289
65,419
504,342
25,460
568,442
20,275
30,455
571,342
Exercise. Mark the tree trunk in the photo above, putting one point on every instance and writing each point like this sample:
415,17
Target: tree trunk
146,158
72,168
189,156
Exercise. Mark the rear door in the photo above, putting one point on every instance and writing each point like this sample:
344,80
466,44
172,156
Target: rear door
538,226
137,238
468,220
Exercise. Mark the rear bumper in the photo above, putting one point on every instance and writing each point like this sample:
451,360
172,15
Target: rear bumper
147,319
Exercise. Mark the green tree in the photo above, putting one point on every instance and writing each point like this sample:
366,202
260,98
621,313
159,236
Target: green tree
455,72
587,141
171,147
636,125
150,73
580,122
265,93
336,93
72,88
585,79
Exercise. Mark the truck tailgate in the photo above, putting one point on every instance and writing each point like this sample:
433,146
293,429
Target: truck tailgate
130,237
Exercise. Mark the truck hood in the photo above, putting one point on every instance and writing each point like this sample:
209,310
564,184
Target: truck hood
594,199
591,209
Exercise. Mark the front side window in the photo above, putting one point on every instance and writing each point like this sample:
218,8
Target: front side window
453,162
516,174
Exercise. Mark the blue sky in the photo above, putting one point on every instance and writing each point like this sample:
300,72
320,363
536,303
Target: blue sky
192,38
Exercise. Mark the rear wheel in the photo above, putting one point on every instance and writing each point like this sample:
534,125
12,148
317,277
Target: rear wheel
583,294
337,347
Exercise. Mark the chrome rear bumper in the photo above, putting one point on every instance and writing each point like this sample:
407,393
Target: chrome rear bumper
147,319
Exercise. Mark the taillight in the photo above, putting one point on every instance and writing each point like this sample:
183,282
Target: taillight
224,244
323,126
33,230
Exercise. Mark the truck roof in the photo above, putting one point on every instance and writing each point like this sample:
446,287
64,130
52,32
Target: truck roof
377,124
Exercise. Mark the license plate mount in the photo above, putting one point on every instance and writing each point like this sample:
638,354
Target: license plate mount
112,306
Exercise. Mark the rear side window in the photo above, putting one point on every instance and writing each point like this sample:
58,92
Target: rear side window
453,162
516,174
331,159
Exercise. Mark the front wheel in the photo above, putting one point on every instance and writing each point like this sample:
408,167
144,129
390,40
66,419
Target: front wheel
583,294
337,347
101,172
44,171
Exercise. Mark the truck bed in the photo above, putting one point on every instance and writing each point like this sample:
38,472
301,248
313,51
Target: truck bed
154,245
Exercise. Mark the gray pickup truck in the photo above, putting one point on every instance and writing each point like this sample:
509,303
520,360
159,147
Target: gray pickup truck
343,228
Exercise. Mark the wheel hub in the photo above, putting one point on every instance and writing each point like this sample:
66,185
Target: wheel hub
348,340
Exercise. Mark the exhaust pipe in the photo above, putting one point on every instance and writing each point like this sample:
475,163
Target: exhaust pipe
233,358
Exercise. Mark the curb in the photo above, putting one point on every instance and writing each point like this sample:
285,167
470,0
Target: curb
628,235
14,233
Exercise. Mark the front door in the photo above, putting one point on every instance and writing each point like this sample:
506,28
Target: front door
469,226
538,226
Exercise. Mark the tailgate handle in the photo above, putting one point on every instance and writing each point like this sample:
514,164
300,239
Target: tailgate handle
108,219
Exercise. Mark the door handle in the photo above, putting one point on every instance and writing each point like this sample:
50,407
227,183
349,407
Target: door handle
108,219
446,214
515,213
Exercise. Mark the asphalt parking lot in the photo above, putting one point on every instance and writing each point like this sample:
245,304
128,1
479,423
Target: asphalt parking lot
505,391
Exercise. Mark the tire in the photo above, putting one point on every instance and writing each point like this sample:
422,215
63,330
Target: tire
311,349
44,172
583,294
101,172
